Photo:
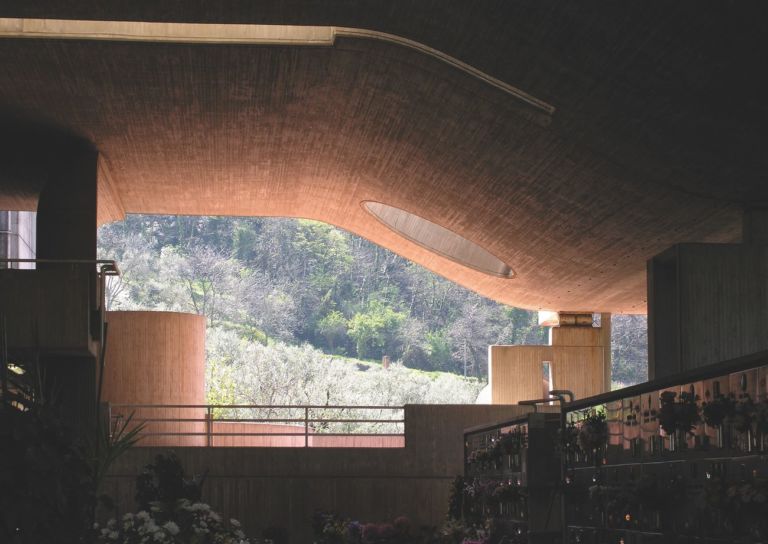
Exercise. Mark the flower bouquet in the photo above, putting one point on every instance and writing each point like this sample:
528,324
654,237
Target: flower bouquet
593,433
678,415
719,409
187,522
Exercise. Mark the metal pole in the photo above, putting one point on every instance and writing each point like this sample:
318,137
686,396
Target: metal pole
109,419
306,426
3,357
208,423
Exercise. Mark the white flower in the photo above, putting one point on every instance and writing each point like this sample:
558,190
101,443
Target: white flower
95,526
113,535
127,516
214,516
159,536
171,527
143,516
239,534
234,522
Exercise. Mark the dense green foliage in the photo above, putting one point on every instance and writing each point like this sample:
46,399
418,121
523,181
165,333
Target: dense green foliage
275,280
303,281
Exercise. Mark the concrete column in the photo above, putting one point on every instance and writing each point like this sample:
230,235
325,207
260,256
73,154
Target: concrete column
61,169
755,226
707,303
66,211
66,229
605,341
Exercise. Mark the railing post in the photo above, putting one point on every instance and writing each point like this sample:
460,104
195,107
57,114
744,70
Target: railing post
109,419
208,425
306,426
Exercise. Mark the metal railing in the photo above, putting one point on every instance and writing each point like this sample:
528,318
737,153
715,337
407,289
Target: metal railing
264,425
107,267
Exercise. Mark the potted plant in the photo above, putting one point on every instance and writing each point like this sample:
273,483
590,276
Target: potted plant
678,416
593,434
717,413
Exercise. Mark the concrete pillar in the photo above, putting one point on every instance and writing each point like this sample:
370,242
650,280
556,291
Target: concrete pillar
707,303
61,168
66,211
755,226
66,229
579,357
605,341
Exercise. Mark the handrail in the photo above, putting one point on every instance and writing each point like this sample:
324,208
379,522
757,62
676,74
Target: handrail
283,406
694,375
108,266
314,421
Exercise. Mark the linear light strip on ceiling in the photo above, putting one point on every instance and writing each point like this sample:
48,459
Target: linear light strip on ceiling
166,32
235,34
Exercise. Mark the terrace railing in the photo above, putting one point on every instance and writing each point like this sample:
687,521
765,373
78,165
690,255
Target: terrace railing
251,425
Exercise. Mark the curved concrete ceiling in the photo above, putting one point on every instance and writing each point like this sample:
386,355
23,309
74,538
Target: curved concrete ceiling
656,137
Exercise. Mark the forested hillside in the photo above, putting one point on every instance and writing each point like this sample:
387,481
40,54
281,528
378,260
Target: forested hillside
272,280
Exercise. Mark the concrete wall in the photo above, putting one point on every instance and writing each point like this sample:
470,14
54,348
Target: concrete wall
50,310
706,303
577,357
284,486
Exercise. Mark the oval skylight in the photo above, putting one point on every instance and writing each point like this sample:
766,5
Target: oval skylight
438,239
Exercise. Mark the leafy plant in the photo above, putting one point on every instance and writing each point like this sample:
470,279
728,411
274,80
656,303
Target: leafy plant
678,415
716,411
511,442
456,500
593,433
105,445
760,420
164,483
47,491
743,414
51,474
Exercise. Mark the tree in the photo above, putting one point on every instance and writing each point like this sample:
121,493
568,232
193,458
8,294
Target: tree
629,339
333,328
375,330
200,279
304,281
133,251
477,327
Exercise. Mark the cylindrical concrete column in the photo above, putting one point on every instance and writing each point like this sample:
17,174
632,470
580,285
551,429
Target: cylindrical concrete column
158,358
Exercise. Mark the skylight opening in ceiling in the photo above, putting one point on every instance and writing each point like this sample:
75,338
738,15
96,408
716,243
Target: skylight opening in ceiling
439,239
